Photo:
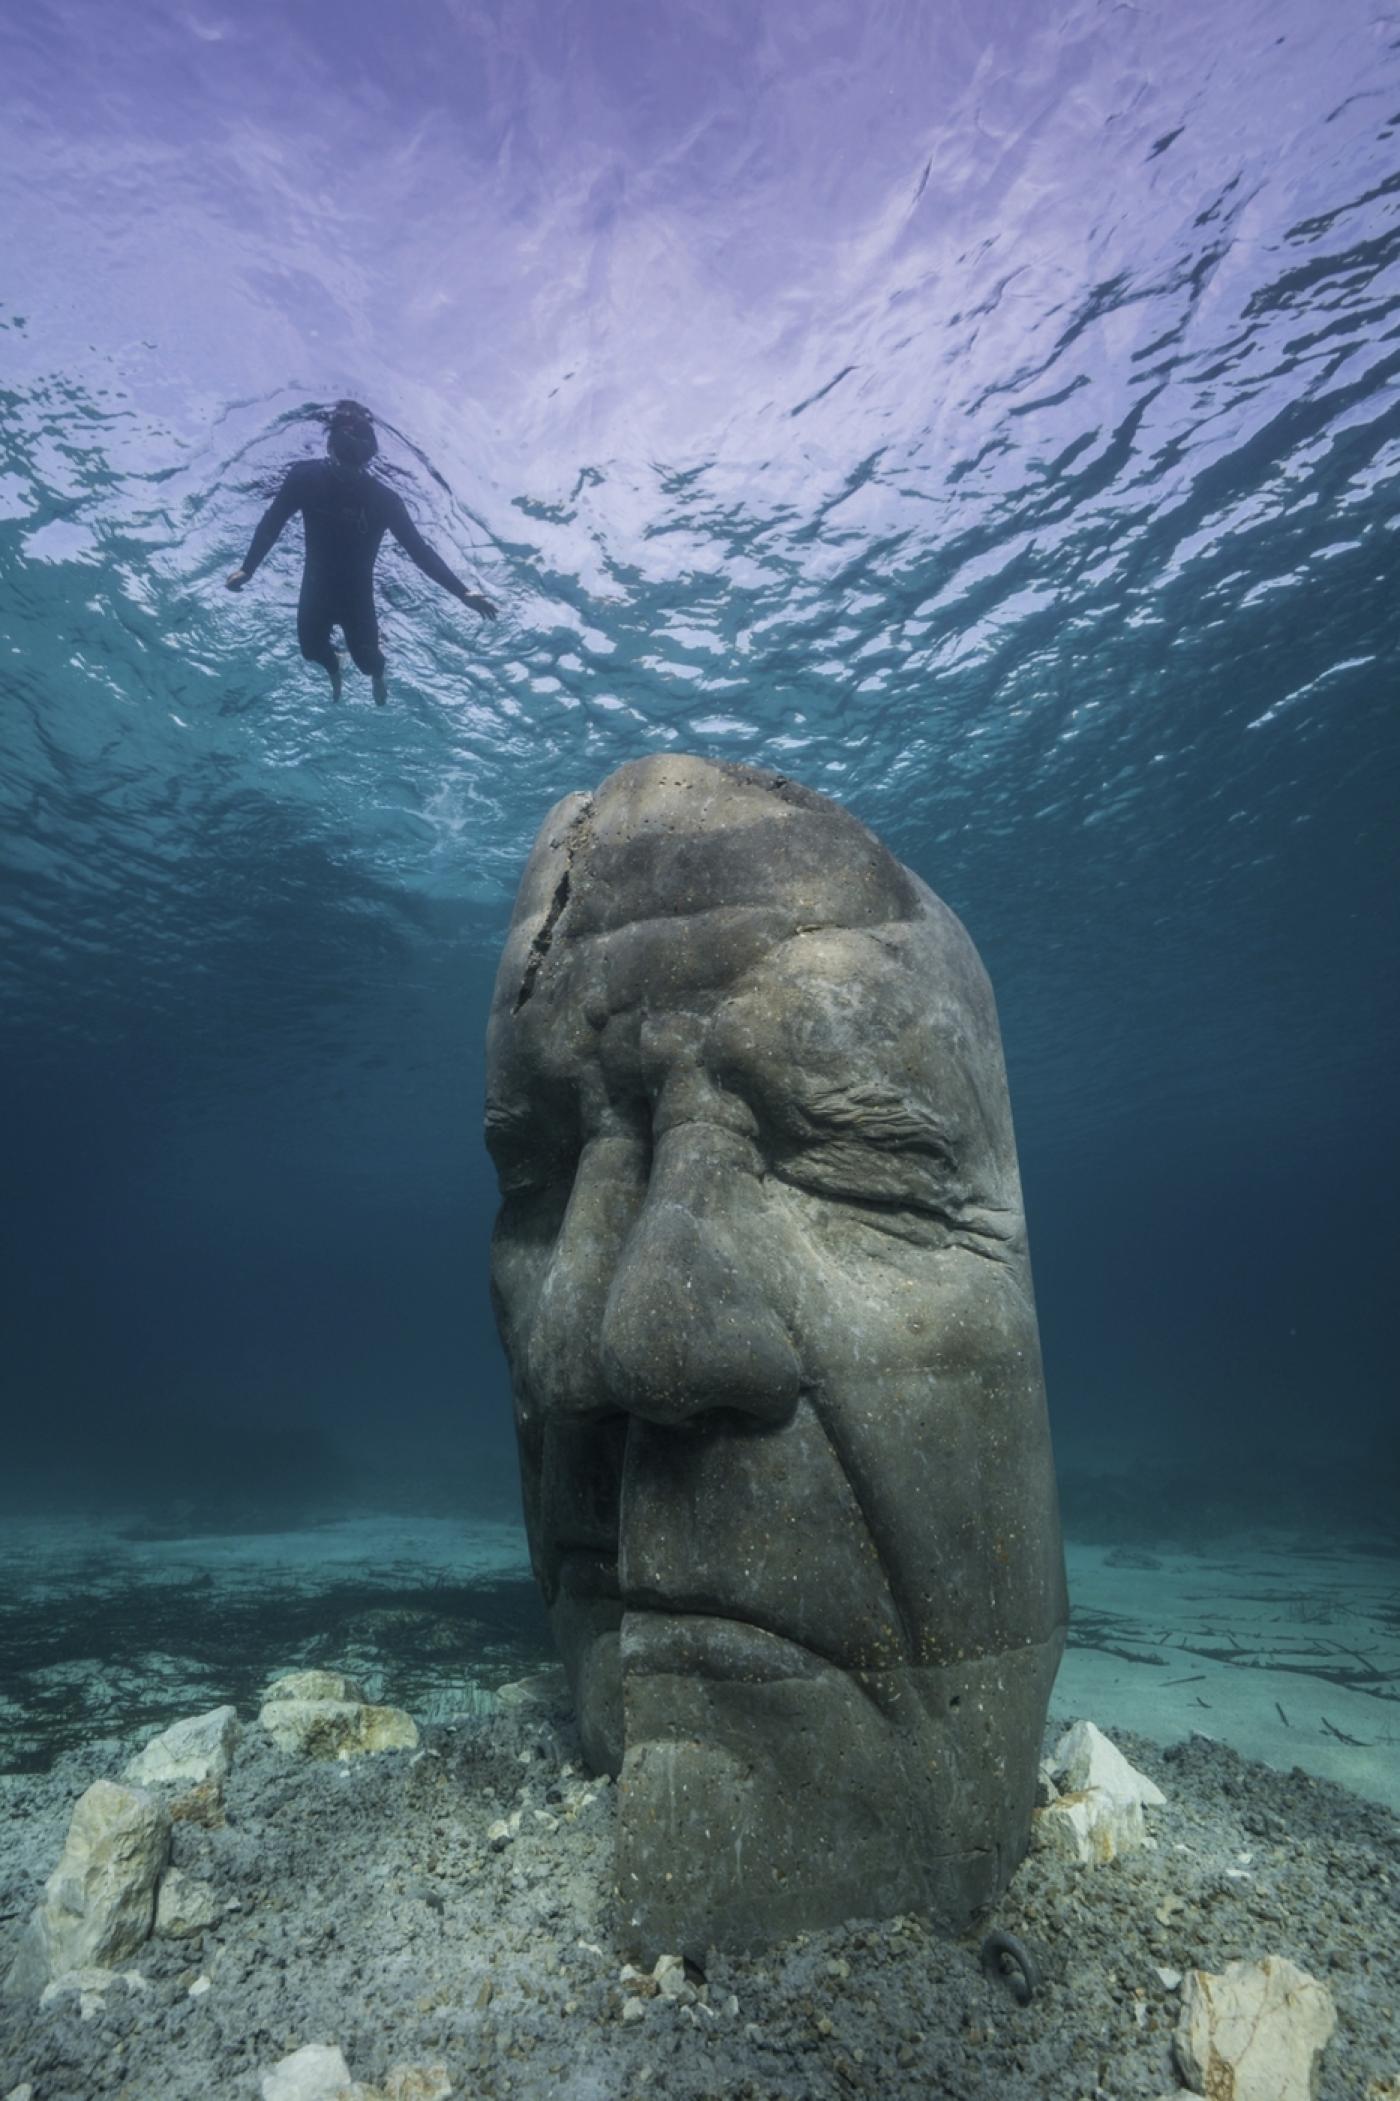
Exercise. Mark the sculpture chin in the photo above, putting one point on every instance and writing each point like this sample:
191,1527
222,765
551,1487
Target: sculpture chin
813,1792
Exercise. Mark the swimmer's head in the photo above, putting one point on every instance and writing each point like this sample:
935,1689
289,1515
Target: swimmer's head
350,435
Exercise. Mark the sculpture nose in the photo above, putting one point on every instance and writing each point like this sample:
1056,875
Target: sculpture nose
687,1330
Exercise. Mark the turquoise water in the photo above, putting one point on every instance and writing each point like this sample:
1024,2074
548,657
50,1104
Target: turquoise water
991,423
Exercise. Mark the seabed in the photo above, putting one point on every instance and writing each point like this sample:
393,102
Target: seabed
1255,1678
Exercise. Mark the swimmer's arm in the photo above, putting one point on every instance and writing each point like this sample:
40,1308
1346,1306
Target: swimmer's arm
430,561
287,500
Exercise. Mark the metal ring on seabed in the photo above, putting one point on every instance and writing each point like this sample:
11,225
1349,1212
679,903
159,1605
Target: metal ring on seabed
1008,1961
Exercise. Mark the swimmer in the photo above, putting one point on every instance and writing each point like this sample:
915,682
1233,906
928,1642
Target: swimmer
346,512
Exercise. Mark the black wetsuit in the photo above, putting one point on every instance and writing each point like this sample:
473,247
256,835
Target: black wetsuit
346,513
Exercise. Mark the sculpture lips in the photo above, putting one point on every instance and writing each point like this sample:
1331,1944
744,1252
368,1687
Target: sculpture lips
693,1644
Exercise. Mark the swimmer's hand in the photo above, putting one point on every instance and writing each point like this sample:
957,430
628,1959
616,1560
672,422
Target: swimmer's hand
236,582
479,604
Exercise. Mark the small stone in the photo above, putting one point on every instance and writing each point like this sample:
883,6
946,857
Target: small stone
199,1988
670,1978
316,2073
198,1750
498,1835
184,1905
1170,1980
21,2093
1254,2032
418,2083
89,1982
634,2009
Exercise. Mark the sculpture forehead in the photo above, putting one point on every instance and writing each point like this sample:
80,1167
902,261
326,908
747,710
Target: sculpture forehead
684,885
674,837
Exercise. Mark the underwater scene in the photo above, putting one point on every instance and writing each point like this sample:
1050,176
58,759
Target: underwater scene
699,866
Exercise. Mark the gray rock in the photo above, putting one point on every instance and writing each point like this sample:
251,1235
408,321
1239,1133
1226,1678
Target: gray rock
192,1751
761,1275
99,1902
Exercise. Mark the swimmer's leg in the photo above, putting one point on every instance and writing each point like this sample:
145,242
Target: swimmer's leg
314,617
362,640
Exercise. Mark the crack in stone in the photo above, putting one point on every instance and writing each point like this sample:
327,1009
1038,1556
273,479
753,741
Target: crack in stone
540,946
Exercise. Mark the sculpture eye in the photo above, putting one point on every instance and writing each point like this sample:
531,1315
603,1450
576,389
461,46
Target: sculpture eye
532,1148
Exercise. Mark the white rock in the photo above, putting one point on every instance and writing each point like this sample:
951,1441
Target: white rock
1255,2032
316,2073
669,1976
634,2010
313,1685
184,1905
1168,1979
1084,1758
199,1988
196,1750
337,1728
99,1902
21,2093
1089,1829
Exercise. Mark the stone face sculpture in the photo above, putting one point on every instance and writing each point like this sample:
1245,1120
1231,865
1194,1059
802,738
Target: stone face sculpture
761,1274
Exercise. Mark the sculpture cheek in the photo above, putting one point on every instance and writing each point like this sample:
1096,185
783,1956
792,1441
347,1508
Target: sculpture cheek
565,1329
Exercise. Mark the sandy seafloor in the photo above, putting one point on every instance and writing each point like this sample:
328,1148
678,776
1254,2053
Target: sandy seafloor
1254,1678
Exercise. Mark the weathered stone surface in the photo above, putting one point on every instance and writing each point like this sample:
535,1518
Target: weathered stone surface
762,1259
190,1752
1089,1828
337,1728
316,2073
184,1905
313,1685
99,1902
1255,2032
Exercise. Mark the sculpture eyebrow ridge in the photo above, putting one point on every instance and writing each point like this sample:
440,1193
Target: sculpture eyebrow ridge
878,1113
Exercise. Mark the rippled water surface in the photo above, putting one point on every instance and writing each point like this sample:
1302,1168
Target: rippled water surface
989,416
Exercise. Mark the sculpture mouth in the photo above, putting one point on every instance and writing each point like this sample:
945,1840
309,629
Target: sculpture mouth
662,1640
